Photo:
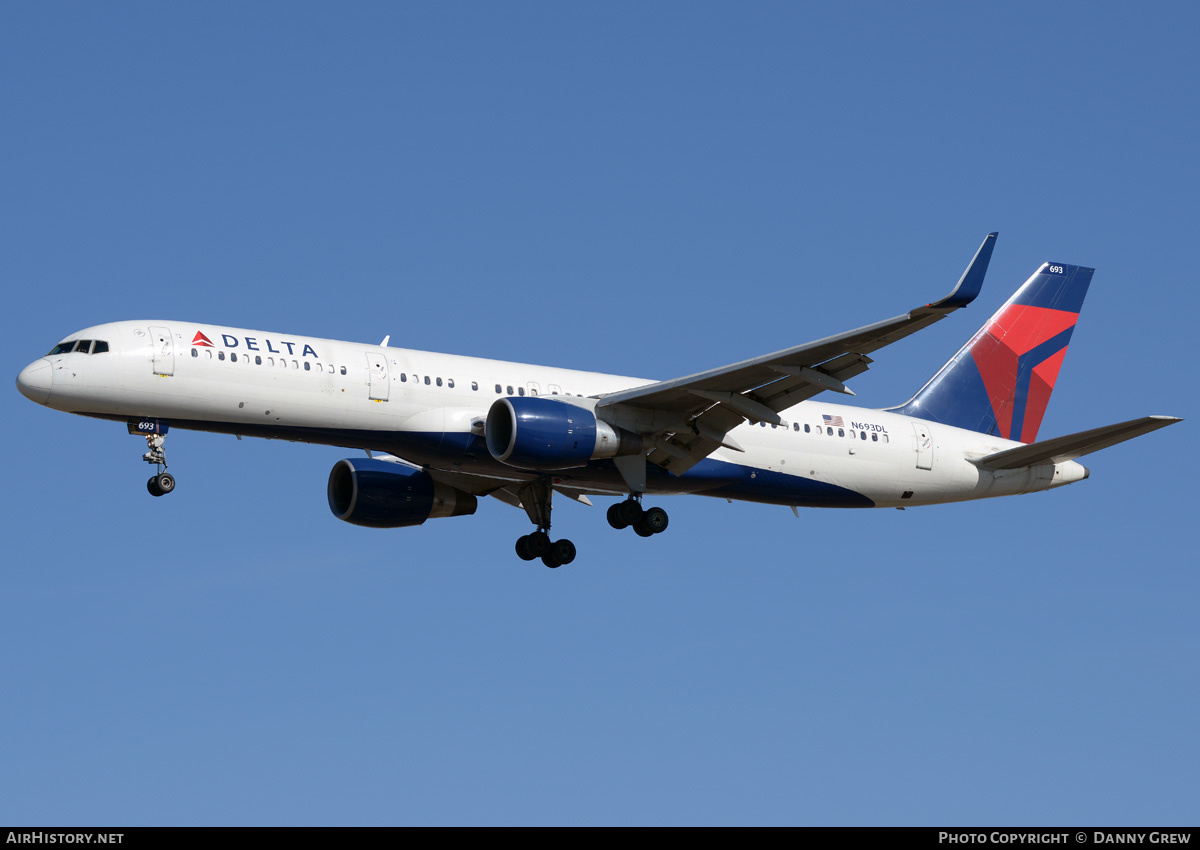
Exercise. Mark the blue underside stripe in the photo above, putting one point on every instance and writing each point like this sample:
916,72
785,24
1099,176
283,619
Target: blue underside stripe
708,478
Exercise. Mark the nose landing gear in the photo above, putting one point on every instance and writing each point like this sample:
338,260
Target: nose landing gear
162,482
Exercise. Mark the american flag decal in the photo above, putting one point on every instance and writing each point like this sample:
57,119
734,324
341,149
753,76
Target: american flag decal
835,421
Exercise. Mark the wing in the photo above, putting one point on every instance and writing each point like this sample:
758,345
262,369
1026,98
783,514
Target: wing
506,490
689,418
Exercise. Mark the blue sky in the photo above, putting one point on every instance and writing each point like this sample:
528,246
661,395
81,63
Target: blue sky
645,189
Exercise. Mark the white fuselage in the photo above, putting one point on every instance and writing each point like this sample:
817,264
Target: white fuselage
429,409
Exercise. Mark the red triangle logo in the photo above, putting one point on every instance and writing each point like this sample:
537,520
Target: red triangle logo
201,340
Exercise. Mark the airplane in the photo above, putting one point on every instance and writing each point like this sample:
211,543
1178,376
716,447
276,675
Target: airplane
440,430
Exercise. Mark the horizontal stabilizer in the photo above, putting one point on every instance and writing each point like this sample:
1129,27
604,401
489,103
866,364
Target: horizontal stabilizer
1074,445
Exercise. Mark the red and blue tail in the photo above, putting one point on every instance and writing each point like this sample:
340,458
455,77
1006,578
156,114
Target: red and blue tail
1000,382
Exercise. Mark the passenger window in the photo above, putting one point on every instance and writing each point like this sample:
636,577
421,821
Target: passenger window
296,365
862,435
498,390
885,438
795,426
233,357
830,430
220,355
807,430
475,386
307,366
773,426
520,391
532,391
426,380
439,382
874,438
208,355
257,359
450,383
510,392
343,370
195,353
841,432
403,378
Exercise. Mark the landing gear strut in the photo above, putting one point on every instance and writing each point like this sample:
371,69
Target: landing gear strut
161,482
536,496
646,522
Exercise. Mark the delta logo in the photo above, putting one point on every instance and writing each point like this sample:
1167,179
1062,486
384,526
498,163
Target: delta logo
251,343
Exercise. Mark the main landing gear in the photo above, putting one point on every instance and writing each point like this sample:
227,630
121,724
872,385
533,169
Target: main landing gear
535,497
538,545
162,482
646,522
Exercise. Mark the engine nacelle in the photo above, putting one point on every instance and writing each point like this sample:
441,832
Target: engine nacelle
383,494
537,432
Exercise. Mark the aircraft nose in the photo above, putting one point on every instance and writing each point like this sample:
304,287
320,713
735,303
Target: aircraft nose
35,380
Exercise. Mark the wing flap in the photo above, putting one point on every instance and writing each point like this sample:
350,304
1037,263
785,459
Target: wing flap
1073,446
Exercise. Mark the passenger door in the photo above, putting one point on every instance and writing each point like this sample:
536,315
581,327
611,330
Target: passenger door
164,351
924,446
377,375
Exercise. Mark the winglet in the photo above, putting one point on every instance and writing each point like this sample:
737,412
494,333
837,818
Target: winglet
971,281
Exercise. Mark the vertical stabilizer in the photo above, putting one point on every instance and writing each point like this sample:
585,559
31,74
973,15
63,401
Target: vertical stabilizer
1000,382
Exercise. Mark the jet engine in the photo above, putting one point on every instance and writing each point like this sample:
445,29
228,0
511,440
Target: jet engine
385,494
536,432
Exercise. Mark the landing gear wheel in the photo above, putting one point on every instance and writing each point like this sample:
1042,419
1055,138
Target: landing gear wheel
629,511
562,551
550,561
642,529
523,549
614,516
656,520
161,484
538,543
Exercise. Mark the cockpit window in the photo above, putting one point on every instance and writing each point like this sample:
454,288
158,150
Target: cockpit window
80,346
